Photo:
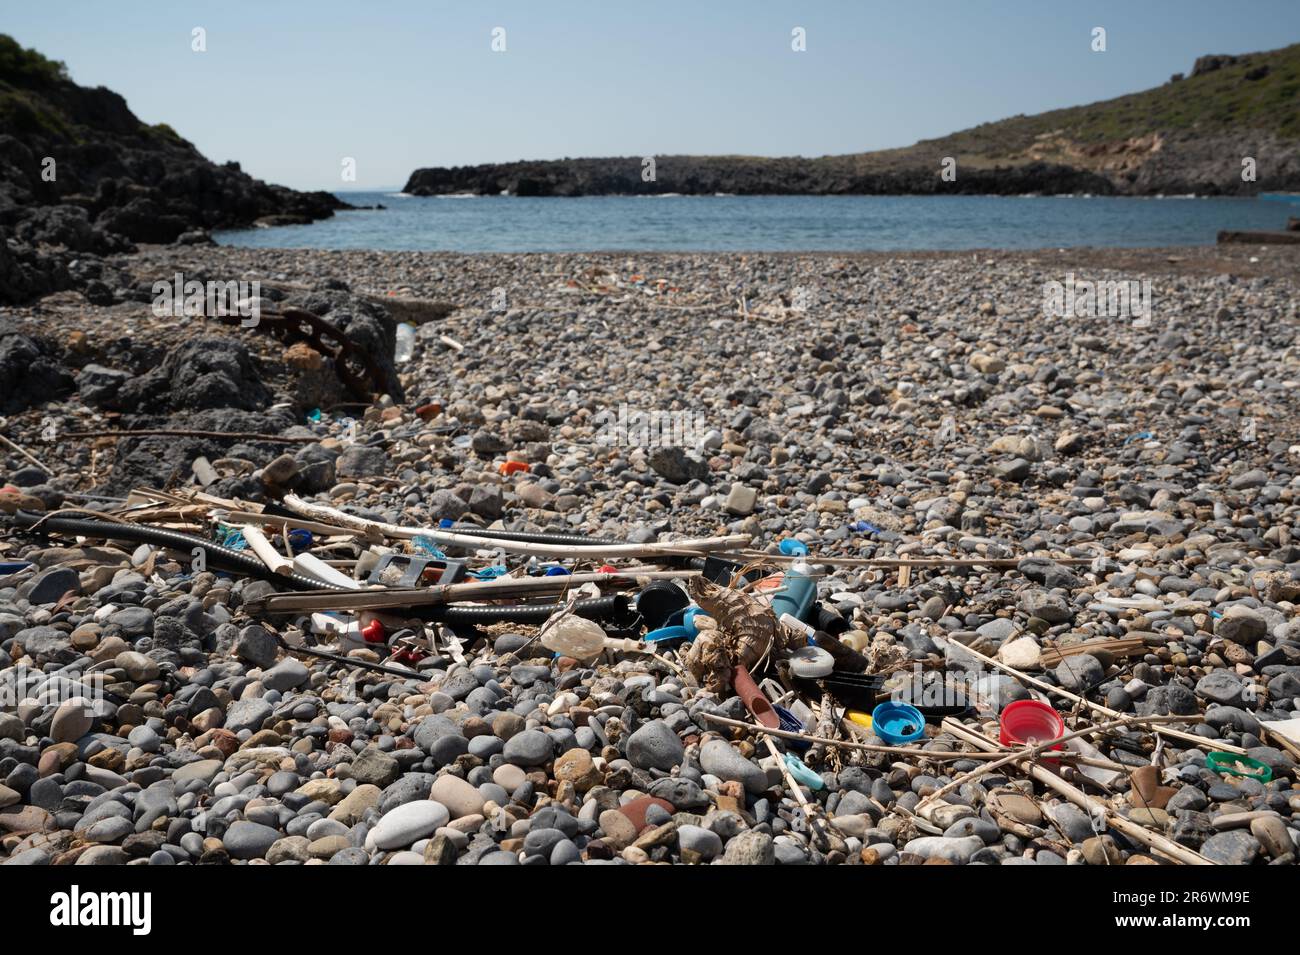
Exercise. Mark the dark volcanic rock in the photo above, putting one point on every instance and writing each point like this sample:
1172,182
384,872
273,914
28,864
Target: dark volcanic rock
29,371
206,372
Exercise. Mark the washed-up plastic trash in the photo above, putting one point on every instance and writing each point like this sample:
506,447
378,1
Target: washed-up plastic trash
411,570
1138,436
680,625
897,723
658,601
300,540
582,639
234,540
865,527
860,718
13,567
757,704
842,656
1234,765
1028,723
798,589
405,345
811,663
791,724
426,545
366,630
802,774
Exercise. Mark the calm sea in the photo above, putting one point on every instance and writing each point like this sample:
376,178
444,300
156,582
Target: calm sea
769,223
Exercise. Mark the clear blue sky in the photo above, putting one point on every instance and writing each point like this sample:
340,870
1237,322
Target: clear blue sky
289,88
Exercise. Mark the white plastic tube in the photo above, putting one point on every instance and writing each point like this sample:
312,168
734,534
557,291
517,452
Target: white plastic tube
312,566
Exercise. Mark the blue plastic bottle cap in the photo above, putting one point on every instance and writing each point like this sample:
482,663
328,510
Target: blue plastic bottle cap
897,723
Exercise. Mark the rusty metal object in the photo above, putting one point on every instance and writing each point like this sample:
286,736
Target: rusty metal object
355,367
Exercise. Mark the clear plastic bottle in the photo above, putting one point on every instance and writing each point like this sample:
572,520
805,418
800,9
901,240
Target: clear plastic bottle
405,347
576,637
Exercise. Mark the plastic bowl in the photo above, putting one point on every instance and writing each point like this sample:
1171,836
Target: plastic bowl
1029,722
897,723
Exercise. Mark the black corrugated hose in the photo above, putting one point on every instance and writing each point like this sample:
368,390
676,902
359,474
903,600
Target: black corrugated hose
214,553
612,606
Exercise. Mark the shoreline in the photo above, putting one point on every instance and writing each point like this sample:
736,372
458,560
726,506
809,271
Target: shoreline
1241,260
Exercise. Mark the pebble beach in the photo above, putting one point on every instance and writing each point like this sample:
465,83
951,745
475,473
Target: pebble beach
1106,506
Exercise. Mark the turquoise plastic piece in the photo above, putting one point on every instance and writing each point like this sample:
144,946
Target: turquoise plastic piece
802,773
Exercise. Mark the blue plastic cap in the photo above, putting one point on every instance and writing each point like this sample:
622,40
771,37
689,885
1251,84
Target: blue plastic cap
445,522
793,548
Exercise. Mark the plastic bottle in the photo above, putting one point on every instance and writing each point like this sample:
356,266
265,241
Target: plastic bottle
405,347
798,589
584,640
575,637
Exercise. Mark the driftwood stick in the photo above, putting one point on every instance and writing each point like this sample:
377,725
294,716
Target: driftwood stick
25,453
1216,745
499,589
1152,840
172,433
934,754
692,547
1282,741
744,555
825,727
815,822
1040,748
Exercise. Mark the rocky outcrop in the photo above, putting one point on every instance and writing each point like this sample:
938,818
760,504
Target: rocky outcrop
708,175
79,172
1188,136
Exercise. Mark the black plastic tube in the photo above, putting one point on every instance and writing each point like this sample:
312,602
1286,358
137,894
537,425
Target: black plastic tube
609,607
162,537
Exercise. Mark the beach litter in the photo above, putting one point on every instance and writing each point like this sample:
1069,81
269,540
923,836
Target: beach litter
559,650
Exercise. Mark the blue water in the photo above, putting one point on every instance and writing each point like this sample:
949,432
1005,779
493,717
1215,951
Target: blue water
769,223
